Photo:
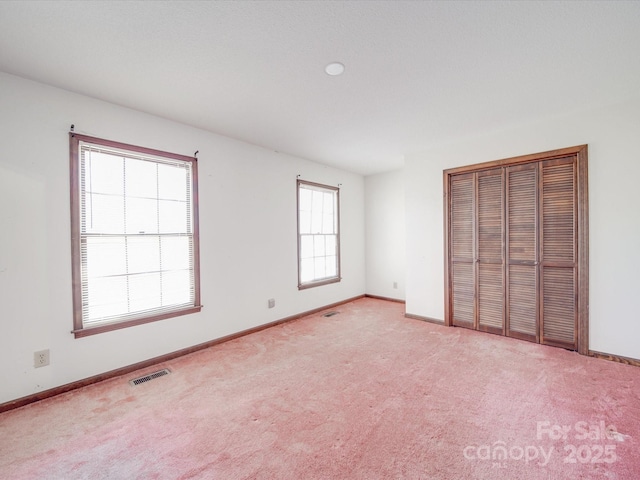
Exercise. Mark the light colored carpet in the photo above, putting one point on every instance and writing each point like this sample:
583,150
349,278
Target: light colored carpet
365,394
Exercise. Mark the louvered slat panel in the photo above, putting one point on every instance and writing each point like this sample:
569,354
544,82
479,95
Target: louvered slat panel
522,214
558,307
462,233
490,211
491,296
522,299
462,216
558,222
558,253
490,250
522,305
463,294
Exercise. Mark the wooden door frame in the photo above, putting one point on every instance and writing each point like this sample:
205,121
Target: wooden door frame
582,193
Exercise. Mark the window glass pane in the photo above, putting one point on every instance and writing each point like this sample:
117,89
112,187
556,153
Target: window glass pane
141,178
327,223
306,270
319,267
317,200
316,222
107,297
144,291
172,182
331,266
142,215
305,222
143,253
104,214
330,244
173,217
328,198
105,256
104,173
175,253
305,199
306,246
318,245
316,212
176,288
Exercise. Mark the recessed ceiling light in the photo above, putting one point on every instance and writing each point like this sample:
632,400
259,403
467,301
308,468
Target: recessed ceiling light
335,68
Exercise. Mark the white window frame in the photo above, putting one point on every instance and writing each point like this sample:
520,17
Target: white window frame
325,234
82,235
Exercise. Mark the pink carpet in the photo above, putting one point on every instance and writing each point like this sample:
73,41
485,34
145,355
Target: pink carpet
365,394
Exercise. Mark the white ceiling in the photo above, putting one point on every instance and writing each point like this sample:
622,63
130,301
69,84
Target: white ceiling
417,73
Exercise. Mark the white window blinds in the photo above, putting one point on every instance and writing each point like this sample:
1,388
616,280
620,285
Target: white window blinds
136,235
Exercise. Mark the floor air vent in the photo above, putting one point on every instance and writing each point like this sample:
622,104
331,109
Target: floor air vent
330,314
151,376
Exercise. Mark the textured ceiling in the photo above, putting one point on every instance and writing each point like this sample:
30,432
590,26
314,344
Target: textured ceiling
417,73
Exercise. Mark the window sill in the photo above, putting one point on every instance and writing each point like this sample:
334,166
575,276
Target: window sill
85,332
326,281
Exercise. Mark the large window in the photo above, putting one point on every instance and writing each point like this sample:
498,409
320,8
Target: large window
318,234
134,226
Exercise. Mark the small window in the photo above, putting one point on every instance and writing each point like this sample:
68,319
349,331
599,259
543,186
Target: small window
318,234
134,225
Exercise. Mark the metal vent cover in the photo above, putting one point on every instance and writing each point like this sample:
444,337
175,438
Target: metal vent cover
151,376
330,314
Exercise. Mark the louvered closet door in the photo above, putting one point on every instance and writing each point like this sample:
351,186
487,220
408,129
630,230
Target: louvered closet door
517,247
558,261
462,235
521,251
490,247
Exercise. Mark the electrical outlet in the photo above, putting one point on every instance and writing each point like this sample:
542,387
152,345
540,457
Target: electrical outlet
272,302
41,358
395,284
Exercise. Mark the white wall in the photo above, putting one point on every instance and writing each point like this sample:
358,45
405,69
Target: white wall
247,225
385,234
613,135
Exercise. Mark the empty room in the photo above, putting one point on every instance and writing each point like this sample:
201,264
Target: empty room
319,240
